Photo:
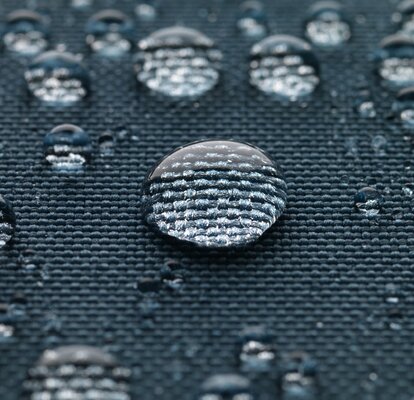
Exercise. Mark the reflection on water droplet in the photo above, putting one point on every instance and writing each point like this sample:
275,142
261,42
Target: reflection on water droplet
178,62
214,193
327,25
252,22
405,17
226,387
404,107
396,61
366,109
67,148
26,33
299,377
368,201
147,10
57,78
284,66
109,33
257,352
106,143
7,222
408,189
77,372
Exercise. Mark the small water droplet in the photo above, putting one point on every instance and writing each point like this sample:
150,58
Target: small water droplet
67,148
106,143
405,17
379,145
252,22
368,201
81,4
26,33
147,10
226,387
408,189
178,62
77,372
366,109
57,78
7,222
109,33
327,24
404,107
284,66
395,61
257,351
215,193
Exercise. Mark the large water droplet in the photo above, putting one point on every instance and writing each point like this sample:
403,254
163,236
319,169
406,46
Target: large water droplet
26,33
327,25
215,193
404,107
396,61
252,21
57,78
178,62
109,33
226,387
284,66
406,17
368,201
147,10
67,148
77,372
7,221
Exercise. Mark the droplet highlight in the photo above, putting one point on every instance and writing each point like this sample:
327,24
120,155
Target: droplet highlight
284,66
368,201
226,387
215,193
7,222
57,78
252,22
147,10
178,62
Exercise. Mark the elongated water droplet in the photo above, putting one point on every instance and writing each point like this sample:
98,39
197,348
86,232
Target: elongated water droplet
284,66
67,148
327,24
26,32
77,372
226,387
404,107
368,201
252,22
57,78
395,60
215,193
110,33
7,221
178,62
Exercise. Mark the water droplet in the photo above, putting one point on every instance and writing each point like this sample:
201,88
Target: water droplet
57,78
408,189
379,145
26,33
299,377
7,222
257,352
284,66
81,4
368,201
392,300
109,33
252,22
396,61
404,107
67,148
106,143
178,62
77,372
327,25
226,387
405,16
214,193
172,275
366,109
147,10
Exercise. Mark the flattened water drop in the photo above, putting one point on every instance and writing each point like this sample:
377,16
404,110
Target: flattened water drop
404,107
226,387
395,61
77,372
284,66
368,201
57,78
110,33
252,22
7,222
327,25
67,148
178,62
26,33
215,193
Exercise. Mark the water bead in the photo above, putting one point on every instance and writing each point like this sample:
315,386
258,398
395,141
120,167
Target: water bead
215,193
7,222
26,32
404,107
57,78
406,15
252,21
368,201
67,148
147,10
226,387
178,62
327,24
110,33
284,66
